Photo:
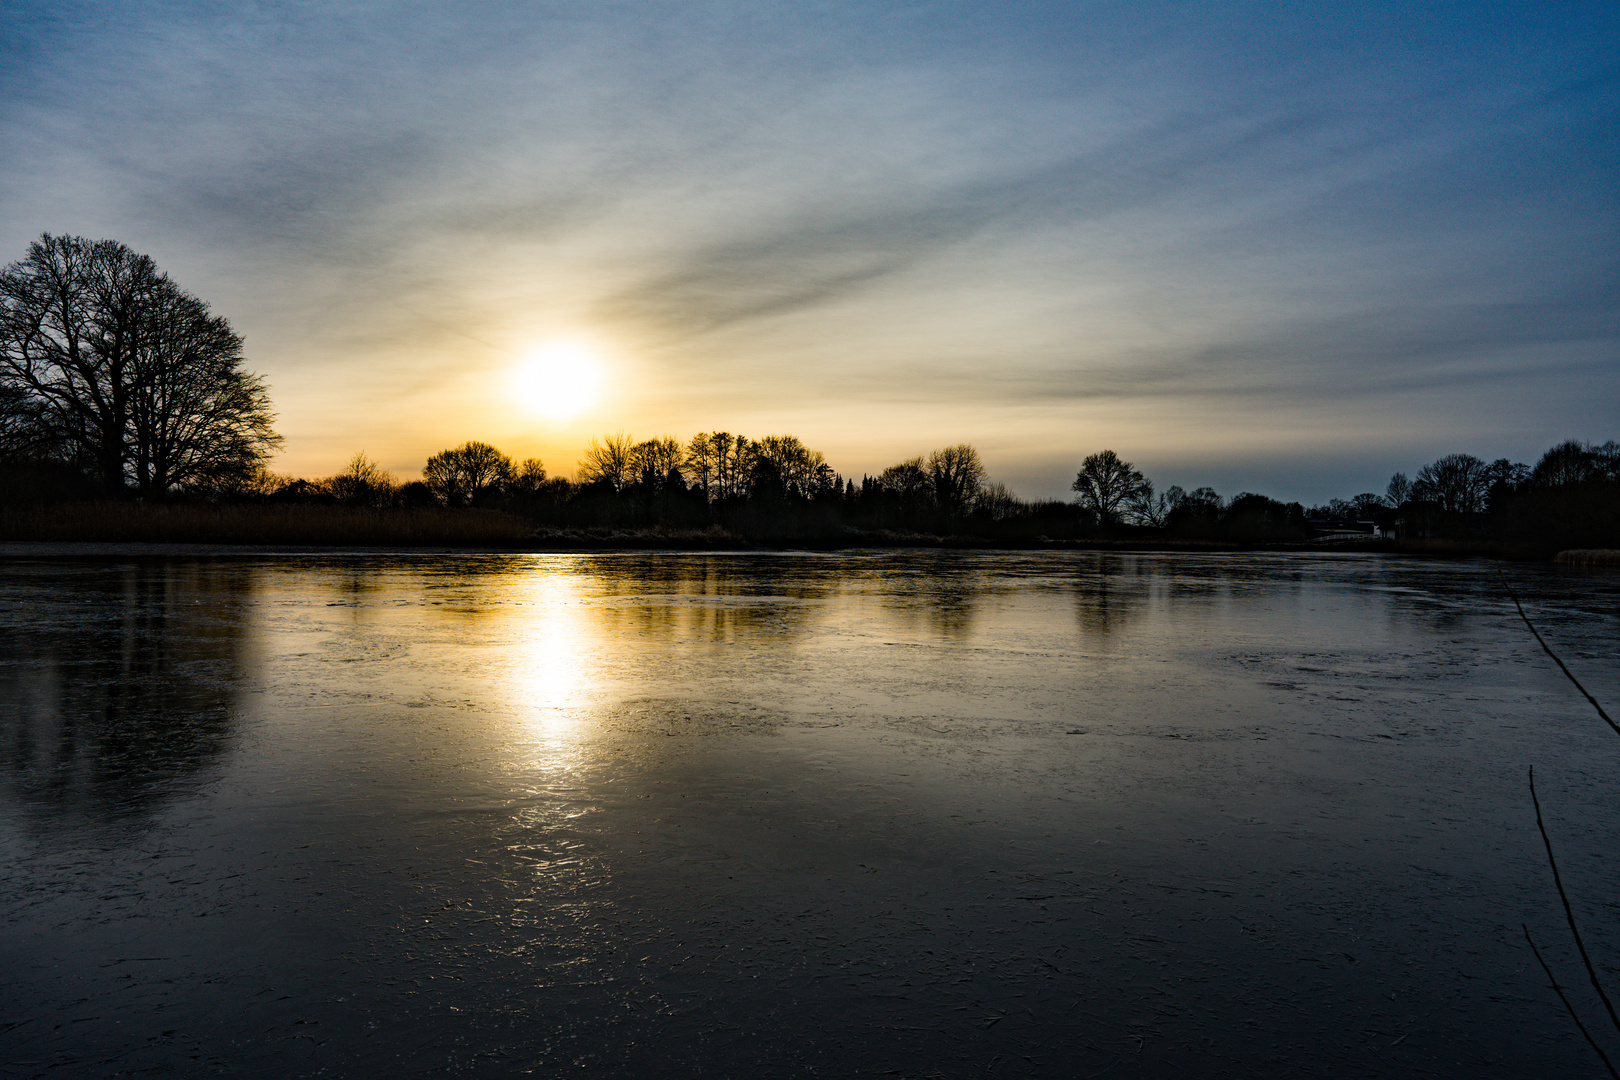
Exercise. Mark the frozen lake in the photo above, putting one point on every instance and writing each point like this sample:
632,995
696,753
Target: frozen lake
891,813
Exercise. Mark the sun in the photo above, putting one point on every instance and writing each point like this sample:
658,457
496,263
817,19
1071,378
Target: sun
559,379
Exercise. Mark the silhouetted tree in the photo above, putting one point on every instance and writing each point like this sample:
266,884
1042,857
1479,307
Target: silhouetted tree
529,477
1335,510
658,460
1607,459
1505,471
261,483
957,475
720,463
1367,504
362,482
996,503
1502,477
23,435
1195,513
909,482
1142,508
303,492
736,465
765,487
1456,482
800,470
1571,499
700,463
1576,462
610,461
1105,484
1399,490
467,474
125,374
416,495
1251,518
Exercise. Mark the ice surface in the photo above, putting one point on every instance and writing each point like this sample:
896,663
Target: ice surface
918,814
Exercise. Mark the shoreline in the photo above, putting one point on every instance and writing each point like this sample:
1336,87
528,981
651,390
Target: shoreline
683,545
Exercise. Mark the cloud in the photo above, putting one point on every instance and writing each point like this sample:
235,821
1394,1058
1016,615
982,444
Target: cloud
931,206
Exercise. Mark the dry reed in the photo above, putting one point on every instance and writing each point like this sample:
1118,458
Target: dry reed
301,525
1588,557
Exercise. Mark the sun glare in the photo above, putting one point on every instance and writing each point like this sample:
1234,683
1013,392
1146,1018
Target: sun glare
559,380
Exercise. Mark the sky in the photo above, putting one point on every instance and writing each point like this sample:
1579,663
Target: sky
1278,247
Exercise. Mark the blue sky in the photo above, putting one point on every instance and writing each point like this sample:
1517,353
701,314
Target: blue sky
1278,247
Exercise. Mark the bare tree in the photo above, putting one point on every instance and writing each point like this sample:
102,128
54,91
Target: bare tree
1505,473
22,431
958,477
657,458
1399,490
909,480
736,465
531,473
1570,462
609,460
996,502
363,482
1142,508
262,483
1367,504
1606,458
1173,504
468,473
700,462
1105,484
1503,477
1457,482
131,377
721,463
801,470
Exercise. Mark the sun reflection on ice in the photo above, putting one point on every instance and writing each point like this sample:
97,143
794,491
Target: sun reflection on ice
551,651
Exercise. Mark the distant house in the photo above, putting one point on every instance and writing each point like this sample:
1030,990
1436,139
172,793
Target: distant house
1335,528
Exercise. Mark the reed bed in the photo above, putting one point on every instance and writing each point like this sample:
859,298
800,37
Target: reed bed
1588,557
299,525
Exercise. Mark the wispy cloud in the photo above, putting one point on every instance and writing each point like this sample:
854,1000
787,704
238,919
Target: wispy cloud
935,206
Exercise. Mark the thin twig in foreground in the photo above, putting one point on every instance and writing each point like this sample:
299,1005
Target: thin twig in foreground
1567,1006
1548,649
1569,913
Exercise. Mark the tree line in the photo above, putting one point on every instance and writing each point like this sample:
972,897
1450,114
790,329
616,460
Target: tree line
777,488
115,381
1123,502
771,487
1570,498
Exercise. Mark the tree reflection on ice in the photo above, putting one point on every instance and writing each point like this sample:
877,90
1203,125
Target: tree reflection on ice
117,683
